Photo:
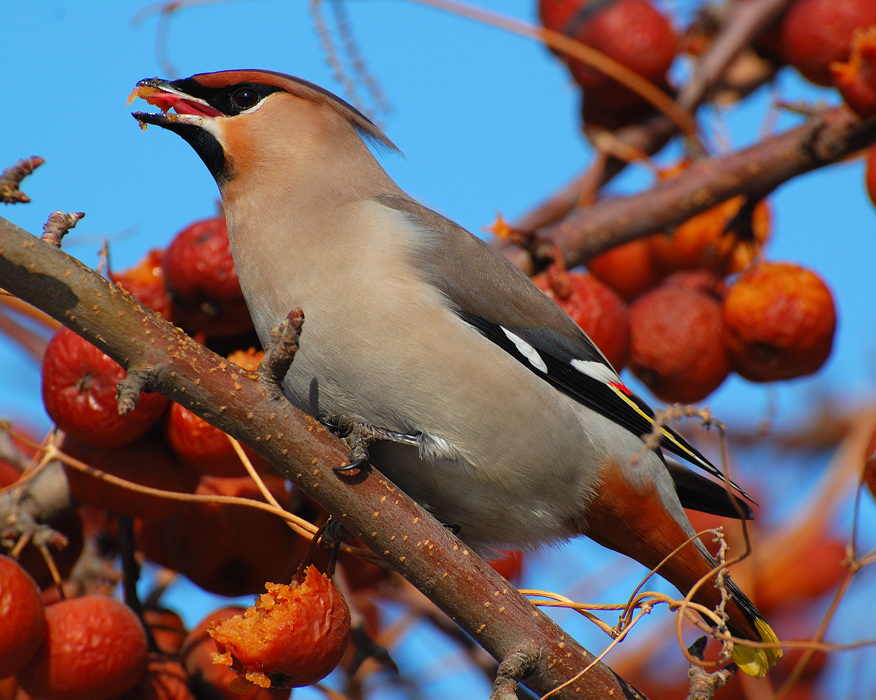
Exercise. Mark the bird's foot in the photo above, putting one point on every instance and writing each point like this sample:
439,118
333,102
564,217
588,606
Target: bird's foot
359,436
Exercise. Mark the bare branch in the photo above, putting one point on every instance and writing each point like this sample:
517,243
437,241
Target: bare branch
746,22
512,670
129,389
11,178
59,225
833,135
702,683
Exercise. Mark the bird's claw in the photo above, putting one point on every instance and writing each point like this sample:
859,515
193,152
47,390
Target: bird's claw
351,466
331,423
359,437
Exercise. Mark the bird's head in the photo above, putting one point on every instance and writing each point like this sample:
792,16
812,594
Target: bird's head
233,119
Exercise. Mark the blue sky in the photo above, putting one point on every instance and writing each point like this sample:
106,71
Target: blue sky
487,121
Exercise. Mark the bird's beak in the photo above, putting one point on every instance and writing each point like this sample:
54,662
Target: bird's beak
162,94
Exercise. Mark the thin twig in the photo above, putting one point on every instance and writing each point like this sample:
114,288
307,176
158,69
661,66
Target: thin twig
10,180
59,225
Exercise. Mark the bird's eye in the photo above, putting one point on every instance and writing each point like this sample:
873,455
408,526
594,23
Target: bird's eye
244,98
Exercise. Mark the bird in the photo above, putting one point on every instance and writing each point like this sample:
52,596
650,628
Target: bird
504,420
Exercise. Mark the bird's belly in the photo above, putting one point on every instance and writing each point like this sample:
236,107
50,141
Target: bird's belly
518,467
487,517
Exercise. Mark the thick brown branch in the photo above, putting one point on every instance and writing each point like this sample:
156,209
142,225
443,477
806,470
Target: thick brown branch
395,528
754,171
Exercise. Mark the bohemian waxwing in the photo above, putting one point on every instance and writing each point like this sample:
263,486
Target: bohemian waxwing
518,431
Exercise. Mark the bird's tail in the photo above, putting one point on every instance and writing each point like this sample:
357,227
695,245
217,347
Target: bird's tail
752,660
635,522
688,566
691,564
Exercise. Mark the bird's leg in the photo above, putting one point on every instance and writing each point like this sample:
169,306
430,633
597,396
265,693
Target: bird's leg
366,648
359,437
334,533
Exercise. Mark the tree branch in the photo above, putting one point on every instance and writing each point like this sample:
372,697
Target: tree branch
395,528
745,22
755,171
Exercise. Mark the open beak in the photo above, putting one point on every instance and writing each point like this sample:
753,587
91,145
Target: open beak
162,94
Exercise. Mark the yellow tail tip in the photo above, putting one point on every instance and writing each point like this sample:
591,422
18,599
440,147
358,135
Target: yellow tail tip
757,662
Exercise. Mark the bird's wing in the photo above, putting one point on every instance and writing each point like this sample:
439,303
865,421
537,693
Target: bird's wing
489,293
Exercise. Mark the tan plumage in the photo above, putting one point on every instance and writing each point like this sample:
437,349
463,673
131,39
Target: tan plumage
525,435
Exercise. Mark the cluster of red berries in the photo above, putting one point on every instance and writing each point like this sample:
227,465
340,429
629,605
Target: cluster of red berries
95,648
700,302
830,43
685,309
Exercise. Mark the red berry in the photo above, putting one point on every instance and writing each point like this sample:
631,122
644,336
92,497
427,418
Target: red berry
294,635
807,572
815,33
166,627
79,393
594,307
779,322
856,79
676,347
628,269
165,679
704,241
214,546
699,280
205,447
147,462
613,106
631,32
22,617
556,14
202,280
210,680
94,649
